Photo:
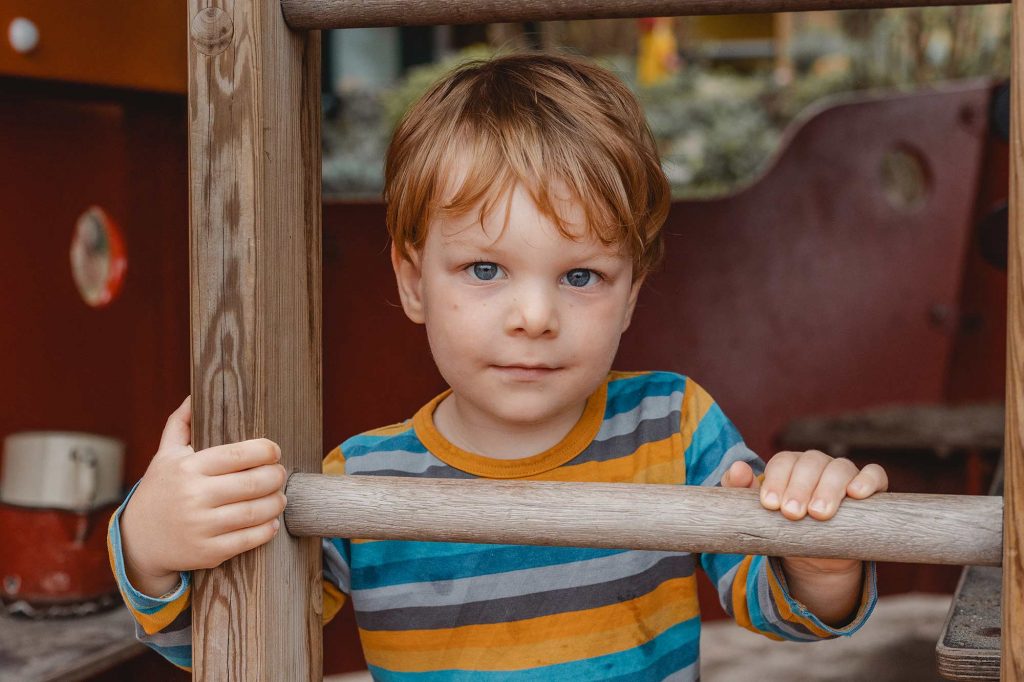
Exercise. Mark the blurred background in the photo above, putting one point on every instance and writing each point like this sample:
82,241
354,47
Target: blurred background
835,275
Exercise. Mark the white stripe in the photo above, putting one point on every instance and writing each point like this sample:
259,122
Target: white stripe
335,567
737,453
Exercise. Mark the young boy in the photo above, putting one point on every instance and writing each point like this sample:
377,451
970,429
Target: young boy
525,202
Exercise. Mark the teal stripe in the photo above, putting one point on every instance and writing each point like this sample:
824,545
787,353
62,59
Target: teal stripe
495,559
679,642
178,655
625,394
713,436
757,617
364,444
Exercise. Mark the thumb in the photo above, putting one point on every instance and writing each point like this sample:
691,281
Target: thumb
740,475
178,431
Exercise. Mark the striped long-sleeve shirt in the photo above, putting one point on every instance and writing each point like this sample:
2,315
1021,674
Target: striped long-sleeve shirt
448,611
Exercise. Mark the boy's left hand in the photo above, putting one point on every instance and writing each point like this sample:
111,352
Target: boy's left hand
809,483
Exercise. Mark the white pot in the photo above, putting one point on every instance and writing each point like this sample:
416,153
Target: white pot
61,470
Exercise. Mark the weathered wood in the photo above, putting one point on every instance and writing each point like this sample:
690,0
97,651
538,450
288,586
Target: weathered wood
933,427
309,14
65,649
941,529
255,242
1012,669
968,648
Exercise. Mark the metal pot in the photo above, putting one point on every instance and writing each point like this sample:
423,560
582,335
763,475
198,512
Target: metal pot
57,491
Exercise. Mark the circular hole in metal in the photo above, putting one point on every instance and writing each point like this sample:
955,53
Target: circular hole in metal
98,261
905,178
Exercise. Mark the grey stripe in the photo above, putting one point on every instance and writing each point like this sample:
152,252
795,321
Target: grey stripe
166,638
770,609
508,584
336,569
442,471
649,431
527,606
651,407
737,453
724,587
400,460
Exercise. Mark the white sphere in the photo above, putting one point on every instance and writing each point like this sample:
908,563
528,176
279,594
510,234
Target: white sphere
23,34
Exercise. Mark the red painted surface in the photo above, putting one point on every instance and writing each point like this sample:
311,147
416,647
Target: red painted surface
53,556
806,293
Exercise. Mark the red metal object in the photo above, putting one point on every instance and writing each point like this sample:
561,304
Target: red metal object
53,557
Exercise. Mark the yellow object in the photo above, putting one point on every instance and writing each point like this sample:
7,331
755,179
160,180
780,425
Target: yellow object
657,55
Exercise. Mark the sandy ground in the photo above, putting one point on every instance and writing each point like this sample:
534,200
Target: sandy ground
896,645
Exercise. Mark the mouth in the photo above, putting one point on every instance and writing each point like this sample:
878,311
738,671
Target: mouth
526,372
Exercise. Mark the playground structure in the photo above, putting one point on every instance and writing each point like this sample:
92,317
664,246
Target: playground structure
255,201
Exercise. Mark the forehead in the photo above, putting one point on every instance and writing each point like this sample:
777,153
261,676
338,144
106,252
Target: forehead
505,209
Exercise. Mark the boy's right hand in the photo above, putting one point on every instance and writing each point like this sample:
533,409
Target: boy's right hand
196,510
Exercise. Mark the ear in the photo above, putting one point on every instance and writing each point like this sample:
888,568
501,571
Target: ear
409,278
634,292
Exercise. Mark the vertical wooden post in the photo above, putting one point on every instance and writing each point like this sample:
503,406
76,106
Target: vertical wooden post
1013,519
254,167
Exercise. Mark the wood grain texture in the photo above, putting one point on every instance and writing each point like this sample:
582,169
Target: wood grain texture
319,14
255,244
1012,668
941,529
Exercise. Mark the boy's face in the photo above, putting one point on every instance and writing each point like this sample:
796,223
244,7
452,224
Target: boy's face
523,323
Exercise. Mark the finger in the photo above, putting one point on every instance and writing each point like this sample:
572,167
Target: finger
831,489
776,478
241,486
239,515
232,457
178,430
739,475
234,543
802,482
871,479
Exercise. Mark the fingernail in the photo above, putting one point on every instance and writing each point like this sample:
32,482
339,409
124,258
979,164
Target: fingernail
857,487
771,499
793,507
276,524
820,506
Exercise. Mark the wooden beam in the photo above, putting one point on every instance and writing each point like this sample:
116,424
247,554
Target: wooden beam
319,14
254,168
1012,669
940,529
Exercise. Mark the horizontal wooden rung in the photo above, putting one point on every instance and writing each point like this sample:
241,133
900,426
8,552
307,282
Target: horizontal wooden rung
320,14
904,527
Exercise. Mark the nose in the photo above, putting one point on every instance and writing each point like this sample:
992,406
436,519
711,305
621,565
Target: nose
533,311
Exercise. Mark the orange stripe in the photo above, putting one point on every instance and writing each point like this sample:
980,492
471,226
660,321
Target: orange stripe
150,622
696,403
334,462
656,462
547,640
334,599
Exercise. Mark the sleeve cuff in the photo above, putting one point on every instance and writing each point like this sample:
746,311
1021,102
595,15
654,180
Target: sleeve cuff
868,599
138,601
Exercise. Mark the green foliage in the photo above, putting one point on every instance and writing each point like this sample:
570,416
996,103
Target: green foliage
715,128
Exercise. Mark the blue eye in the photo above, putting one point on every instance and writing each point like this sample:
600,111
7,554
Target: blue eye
580,277
485,271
